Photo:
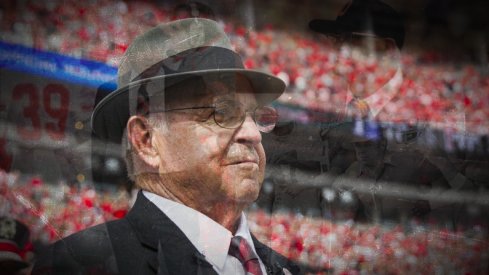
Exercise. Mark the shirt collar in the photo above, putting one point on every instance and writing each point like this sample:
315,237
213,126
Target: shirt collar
209,238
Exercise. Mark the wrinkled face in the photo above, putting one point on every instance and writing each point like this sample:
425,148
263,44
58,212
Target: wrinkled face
211,163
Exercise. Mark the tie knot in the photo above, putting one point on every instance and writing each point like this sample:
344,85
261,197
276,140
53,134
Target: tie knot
240,249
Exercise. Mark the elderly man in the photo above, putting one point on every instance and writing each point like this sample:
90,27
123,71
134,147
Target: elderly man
189,116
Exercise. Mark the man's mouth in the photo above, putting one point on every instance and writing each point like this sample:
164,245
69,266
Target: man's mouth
248,160
242,160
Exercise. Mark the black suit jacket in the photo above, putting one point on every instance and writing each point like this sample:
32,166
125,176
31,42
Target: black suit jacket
146,241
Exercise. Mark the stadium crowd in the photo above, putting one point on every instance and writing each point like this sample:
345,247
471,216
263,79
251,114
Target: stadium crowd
444,94
53,211
448,96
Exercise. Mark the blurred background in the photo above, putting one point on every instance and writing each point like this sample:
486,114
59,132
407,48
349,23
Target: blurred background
379,163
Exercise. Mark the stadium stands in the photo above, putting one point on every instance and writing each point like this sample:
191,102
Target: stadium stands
320,245
445,95
451,98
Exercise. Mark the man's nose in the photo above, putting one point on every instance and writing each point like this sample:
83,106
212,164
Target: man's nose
248,131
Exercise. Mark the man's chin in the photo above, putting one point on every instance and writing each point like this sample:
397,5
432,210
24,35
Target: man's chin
243,183
247,191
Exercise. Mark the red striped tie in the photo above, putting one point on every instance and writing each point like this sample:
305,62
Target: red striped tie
241,250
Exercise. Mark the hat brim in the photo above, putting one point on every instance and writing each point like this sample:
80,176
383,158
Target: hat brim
329,26
111,114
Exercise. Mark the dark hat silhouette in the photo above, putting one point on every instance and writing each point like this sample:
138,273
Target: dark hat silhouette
364,16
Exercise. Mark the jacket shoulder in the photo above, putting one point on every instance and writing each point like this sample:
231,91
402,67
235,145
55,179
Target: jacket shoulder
87,251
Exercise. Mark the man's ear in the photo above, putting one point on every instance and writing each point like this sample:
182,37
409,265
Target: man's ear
139,134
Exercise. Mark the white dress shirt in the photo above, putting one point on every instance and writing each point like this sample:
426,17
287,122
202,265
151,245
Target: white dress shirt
208,237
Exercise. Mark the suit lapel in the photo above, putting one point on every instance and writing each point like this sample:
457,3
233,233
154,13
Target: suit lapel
274,262
169,250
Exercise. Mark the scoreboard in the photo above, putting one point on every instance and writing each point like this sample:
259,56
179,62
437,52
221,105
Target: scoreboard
46,101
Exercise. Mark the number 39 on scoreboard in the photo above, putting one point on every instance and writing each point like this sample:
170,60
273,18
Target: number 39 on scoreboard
41,115
51,102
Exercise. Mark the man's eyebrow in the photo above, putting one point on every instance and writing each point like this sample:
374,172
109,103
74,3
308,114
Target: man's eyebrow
223,98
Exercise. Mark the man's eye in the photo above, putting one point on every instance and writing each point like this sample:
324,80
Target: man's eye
225,108
222,113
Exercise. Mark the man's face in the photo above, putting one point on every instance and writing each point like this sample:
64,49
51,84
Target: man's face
209,163
373,62
370,153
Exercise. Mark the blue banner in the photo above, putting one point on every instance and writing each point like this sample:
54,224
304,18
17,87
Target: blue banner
56,66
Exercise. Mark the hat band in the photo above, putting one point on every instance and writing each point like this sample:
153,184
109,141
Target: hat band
196,59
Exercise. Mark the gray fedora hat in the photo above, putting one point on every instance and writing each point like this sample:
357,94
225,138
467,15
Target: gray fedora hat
169,54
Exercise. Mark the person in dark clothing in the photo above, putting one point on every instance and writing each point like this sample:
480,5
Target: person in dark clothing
189,116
